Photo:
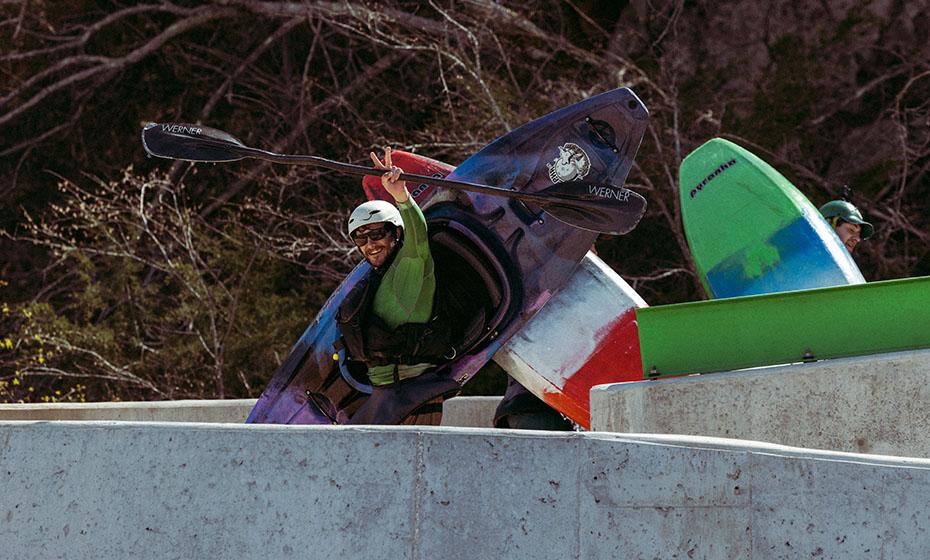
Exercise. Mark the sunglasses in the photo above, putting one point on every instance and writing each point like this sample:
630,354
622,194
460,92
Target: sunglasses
362,237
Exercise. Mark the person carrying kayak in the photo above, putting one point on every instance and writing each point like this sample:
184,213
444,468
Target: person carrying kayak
399,325
847,222
388,320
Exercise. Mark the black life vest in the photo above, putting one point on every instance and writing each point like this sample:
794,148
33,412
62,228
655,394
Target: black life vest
369,339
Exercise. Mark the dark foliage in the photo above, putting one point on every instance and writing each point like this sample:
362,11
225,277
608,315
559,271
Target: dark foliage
125,277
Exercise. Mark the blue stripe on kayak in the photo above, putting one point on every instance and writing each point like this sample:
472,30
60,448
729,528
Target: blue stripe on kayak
797,257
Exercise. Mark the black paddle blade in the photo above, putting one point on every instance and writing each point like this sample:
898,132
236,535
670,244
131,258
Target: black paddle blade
595,207
191,142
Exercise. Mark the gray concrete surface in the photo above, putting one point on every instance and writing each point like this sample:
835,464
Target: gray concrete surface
477,412
470,412
871,404
213,411
148,490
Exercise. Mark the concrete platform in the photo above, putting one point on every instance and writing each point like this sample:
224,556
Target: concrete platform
870,404
132,490
477,412
221,411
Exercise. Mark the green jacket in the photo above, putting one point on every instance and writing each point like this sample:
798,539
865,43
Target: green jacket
407,288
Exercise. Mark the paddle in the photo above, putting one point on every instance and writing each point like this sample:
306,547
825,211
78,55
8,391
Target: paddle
595,207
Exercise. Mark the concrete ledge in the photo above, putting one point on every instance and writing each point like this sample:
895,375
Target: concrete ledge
125,490
470,412
871,404
213,411
477,412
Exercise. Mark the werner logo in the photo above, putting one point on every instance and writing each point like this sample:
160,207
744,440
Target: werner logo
181,129
711,176
609,192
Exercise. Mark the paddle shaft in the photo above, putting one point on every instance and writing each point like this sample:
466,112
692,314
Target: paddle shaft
361,170
596,207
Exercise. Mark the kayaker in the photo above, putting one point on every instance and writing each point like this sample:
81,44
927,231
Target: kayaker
847,222
388,320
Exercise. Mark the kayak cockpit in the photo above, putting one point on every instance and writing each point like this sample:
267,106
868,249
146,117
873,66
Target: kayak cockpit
476,280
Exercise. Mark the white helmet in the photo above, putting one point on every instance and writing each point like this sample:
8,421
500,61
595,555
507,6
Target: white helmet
372,212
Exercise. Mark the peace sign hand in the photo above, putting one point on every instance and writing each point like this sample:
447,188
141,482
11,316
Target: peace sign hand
391,180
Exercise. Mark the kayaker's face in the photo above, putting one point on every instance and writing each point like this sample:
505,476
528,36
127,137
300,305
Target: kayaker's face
849,235
376,242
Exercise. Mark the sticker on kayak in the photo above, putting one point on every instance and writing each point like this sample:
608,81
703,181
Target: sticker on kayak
421,188
572,164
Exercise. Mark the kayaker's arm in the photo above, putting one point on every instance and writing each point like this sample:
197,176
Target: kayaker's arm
415,234
409,284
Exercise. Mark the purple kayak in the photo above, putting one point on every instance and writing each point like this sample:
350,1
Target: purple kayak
508,258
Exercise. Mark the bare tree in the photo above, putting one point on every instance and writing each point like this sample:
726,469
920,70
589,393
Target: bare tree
146,262
829,93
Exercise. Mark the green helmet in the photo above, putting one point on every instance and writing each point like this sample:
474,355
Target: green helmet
848,213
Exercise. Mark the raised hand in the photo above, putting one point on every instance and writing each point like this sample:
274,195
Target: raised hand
391,180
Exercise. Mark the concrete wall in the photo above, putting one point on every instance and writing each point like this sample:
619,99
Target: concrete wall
222,411
872,404
475,412
125,490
